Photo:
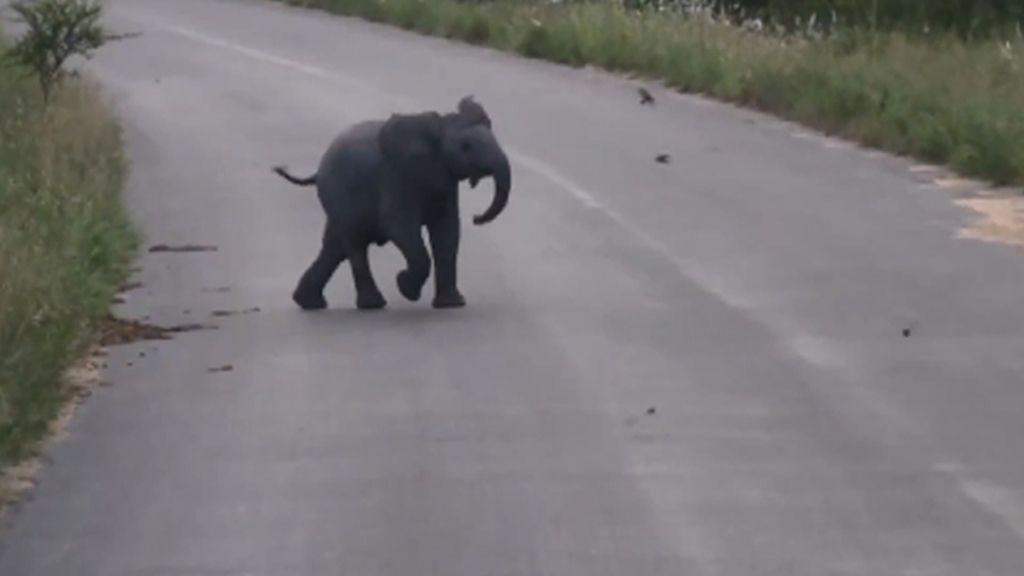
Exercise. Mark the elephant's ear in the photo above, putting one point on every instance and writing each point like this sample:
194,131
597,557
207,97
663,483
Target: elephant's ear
411,137
411,145
473,113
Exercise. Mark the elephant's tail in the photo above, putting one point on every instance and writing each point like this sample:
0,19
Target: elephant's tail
297,181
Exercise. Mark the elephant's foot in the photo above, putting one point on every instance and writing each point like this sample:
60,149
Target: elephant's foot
408,286
370,301
309,300
449,300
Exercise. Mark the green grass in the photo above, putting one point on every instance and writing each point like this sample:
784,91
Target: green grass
935,98
65,245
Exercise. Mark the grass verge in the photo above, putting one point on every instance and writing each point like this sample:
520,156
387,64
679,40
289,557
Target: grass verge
66,245
934,98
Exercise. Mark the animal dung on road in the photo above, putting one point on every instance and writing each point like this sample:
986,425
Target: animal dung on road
224,368
226,313
651,411
118,331
662,158
189,328
646,99
182,248
115,331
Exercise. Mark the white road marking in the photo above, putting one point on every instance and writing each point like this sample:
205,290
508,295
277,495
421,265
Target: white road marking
314,71
538,167
997,500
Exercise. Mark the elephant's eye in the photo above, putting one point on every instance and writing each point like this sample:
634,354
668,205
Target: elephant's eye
466,146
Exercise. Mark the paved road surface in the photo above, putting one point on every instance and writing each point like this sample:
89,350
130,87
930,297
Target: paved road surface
753,291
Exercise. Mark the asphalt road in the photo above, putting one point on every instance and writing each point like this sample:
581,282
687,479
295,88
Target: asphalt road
753,292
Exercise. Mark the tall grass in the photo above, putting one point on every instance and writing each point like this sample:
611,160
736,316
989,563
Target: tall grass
65,244
965,18
934,97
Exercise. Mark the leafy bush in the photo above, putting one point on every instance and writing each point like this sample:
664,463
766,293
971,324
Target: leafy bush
57,30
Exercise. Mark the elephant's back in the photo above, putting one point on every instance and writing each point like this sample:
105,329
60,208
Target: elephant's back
349,167
355,149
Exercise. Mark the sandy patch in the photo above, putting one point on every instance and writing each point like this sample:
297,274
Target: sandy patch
1001,219
956,182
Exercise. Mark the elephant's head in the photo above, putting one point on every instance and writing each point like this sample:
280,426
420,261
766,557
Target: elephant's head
440,151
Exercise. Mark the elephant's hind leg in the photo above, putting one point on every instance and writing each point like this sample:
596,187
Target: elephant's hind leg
368,296
309,294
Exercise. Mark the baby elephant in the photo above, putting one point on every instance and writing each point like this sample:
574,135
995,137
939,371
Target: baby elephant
382,181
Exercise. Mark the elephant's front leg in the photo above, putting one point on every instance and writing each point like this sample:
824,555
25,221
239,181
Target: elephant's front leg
409,239
444,243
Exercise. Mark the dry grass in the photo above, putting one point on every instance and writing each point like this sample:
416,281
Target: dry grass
938,99
65,246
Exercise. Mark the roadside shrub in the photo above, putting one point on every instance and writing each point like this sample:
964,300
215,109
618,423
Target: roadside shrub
57,30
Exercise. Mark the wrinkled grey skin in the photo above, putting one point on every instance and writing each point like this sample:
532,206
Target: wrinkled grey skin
382,181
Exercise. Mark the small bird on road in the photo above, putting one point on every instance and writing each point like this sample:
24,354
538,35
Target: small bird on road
646,98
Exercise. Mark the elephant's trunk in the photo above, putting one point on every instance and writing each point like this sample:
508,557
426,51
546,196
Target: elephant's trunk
502,174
